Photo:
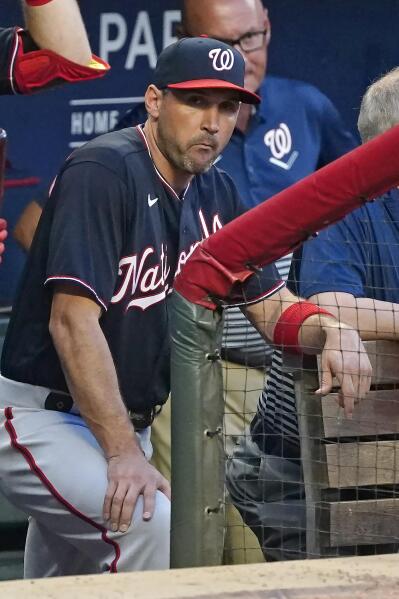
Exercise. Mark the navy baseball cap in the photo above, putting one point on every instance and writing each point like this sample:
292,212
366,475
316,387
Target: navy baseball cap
202,62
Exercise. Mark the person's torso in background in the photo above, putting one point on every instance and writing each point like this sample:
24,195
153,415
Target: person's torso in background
358,255
295,131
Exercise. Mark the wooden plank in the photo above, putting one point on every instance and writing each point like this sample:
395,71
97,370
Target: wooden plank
384,358
359,464
368,577
378,414
368,522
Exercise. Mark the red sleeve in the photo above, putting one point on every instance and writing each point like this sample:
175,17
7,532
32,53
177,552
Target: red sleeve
34,69
226,259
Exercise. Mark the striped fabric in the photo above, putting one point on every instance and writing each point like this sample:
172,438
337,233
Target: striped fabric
277,403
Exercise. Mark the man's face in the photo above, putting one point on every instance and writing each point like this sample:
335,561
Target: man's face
193,126
230,20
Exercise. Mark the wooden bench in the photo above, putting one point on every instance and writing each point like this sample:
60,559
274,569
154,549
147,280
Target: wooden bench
351,467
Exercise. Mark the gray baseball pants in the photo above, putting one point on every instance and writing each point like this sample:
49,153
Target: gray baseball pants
52,468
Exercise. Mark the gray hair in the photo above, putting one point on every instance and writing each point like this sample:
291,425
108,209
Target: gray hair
379,110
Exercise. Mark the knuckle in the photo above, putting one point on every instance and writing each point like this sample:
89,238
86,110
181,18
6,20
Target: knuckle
150,490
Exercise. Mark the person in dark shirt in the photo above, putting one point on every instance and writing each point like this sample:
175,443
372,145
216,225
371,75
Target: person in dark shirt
294,130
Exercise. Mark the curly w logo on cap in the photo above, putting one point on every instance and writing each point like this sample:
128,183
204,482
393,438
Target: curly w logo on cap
202,63
223,60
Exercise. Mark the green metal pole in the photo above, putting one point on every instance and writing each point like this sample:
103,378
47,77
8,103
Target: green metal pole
197,442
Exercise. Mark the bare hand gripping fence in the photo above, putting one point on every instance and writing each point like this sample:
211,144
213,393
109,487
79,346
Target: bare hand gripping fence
219,266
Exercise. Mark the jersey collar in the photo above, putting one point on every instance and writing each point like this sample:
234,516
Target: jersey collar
164,181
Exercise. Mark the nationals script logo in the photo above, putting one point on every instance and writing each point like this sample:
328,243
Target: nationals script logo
147,281
151,282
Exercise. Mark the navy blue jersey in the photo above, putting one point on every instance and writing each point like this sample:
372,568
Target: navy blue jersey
113,226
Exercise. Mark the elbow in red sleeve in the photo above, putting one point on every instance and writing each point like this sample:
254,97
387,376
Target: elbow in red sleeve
39,69
201,272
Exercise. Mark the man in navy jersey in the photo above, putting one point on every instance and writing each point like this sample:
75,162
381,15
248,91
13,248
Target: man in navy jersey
86,358
352,269
292,132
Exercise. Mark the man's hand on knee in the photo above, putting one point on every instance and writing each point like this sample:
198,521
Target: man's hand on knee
128,477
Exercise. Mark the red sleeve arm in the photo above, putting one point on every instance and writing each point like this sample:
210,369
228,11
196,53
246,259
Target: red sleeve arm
33,70
230,256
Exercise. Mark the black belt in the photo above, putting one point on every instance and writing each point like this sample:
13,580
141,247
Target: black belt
62,402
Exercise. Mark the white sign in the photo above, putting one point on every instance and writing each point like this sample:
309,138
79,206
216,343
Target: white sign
115,36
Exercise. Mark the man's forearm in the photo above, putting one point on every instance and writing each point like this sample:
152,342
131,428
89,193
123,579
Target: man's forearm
311,334
93,384
58,26
374,319
300,327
